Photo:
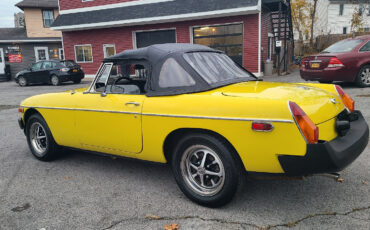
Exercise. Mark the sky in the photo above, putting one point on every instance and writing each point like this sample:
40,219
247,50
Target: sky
7,10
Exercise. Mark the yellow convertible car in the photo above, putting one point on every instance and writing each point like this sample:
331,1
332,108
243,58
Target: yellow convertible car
193,107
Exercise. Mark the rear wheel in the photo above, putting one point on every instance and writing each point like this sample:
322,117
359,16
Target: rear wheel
40,139
205,170
55,80
363,76
77,81
22,81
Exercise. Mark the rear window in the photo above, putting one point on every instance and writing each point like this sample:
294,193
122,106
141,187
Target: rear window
69,63
343,46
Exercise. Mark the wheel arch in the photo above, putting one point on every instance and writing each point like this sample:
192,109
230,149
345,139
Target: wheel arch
172,138
29,112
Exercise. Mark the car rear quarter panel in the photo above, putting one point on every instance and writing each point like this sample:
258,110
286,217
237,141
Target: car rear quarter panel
258,150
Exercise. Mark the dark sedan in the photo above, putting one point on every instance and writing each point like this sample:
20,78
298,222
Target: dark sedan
51,72
347,61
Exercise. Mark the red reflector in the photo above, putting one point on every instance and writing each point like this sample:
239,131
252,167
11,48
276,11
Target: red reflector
262,126
20,110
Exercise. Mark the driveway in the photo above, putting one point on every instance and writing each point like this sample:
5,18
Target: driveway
85,191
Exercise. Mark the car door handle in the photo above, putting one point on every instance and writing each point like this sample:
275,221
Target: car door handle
133,103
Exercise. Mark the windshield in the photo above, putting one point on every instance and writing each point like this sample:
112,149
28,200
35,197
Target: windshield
343,46
216,67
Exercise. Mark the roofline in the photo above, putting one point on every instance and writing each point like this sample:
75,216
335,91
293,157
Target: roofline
163,19
111,6
31,40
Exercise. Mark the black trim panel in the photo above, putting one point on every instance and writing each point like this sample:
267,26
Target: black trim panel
330,156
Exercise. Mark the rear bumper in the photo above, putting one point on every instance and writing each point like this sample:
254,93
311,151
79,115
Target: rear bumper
327,74
332,156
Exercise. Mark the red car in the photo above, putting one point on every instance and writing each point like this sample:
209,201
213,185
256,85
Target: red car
347,60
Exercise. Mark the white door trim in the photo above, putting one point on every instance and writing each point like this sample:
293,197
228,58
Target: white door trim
2,63
37,48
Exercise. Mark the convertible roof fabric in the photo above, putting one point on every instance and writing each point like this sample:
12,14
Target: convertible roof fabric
154,53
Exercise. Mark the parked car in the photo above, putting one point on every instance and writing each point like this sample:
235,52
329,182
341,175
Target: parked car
50,72
347,61
194,108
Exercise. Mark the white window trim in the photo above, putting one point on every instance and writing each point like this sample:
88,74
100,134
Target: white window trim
134,42
92,56
59,53
2,65
108,45
36,48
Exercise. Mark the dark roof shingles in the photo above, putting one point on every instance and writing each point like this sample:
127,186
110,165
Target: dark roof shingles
175,7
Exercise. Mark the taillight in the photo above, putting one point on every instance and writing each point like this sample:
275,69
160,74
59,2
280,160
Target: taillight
308,129
335,63
347,100
64,69
303,62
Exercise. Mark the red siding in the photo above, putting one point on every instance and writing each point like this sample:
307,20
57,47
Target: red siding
73,4
122,38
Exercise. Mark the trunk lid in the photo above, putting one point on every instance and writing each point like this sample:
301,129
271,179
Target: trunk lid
317,103
318,62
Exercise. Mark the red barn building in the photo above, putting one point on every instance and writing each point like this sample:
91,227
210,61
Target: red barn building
246,30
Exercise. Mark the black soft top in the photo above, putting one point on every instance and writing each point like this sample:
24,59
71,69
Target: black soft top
153,58
154,53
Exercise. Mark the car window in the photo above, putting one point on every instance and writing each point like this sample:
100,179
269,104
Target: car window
46,65
173,75
343,46
366,47
216,67
53,65
36,66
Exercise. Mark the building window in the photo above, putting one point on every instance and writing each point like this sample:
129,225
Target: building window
83,53
228,38
148,38
41,53
61,54
341,9
344,30
109,50
48,17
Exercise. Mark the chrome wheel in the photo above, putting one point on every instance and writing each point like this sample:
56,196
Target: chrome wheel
365,76
39,139
202,170
54,80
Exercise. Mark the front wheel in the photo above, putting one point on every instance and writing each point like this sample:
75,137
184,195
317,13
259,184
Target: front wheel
206,170
22,81
363,76
40,139
55,80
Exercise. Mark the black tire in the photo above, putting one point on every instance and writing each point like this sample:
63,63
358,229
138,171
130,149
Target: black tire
363,77
22,81
45,149
54,79
326,82
190,185
77,81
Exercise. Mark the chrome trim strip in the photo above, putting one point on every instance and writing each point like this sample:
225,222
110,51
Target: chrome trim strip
168,115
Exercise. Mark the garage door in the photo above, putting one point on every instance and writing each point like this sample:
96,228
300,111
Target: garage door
148,38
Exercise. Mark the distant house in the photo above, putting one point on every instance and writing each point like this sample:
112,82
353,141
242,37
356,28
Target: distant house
334,16
246,30
22,46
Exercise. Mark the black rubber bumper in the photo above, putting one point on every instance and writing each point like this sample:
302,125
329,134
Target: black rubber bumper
20,123
330,156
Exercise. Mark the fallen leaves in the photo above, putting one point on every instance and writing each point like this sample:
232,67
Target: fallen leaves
68,177
152,217
364,182
171,227
21,207
340,180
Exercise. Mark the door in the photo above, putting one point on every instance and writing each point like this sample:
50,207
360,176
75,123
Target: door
2,61
36,73
41,53
109,122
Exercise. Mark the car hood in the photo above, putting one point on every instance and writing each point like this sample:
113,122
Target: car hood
317,103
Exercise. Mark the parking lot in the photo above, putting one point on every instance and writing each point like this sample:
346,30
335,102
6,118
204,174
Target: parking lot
85,191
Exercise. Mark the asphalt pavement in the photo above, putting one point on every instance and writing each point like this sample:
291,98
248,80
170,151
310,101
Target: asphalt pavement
85,191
